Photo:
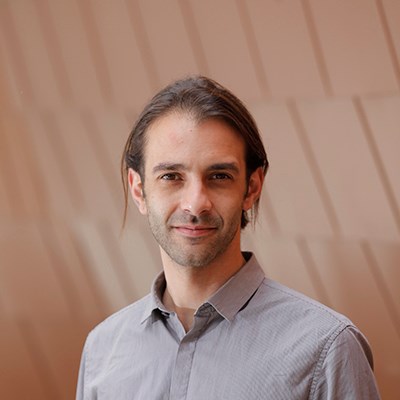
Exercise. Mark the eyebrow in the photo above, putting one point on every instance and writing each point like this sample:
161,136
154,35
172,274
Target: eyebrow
168,167
224,167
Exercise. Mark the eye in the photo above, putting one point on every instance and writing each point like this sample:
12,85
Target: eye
220,176
170,177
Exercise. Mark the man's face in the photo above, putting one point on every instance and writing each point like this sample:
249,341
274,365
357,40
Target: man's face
194,189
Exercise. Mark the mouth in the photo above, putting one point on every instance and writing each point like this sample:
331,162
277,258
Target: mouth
194,231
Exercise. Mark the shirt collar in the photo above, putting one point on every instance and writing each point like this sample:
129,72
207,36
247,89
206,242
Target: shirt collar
228,300
155,299
237,291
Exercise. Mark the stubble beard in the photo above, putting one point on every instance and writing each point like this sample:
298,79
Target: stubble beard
194,252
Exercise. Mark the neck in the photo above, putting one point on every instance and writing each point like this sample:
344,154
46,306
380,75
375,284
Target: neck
189,287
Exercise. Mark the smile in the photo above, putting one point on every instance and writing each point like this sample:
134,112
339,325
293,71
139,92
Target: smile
194,231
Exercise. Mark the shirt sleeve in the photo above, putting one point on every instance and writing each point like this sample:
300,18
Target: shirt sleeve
346,369
80,390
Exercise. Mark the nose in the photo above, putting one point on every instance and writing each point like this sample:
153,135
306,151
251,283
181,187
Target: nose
195,198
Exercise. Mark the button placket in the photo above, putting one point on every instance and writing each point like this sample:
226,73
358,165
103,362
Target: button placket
185,355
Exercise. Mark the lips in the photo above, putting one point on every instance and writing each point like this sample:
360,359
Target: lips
194,230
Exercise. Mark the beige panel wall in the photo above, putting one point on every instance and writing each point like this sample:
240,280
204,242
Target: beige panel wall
322,79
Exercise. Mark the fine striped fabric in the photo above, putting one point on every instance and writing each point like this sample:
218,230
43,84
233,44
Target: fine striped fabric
253,339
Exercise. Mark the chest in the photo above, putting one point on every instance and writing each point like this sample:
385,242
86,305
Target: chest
219,363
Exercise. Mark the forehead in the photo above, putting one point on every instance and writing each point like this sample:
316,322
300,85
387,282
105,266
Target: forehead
180,135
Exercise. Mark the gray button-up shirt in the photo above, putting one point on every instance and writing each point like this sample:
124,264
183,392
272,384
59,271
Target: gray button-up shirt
253,339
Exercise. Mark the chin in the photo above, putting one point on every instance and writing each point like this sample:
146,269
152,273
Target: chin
193,261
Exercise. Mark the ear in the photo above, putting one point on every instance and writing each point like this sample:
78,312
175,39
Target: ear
254,188
136,189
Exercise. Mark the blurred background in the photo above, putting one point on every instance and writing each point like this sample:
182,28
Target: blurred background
322,79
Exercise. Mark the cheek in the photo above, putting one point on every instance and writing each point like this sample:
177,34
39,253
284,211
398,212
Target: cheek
232,206
158,207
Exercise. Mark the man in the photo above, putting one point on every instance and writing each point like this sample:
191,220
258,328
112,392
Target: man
213,326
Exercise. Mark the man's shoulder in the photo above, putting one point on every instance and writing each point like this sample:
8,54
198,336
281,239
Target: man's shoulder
290,306
129,317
